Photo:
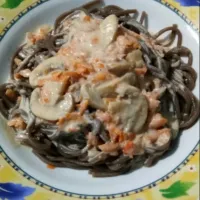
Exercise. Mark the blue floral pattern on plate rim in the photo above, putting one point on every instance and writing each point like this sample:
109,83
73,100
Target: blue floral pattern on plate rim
14,191
189,2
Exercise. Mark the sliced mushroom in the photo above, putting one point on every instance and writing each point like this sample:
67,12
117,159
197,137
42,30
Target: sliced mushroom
129,78
70,20
108,28
135,58
52,91
126,90
49,112
120,68
74,89
47,66
89,93
130,114
108,89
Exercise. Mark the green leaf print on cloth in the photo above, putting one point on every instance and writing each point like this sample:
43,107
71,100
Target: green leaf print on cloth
11,4
177,189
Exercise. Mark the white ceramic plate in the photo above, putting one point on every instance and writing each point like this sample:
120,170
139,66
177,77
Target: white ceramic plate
79,182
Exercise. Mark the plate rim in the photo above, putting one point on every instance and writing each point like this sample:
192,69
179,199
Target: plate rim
115,195
93,196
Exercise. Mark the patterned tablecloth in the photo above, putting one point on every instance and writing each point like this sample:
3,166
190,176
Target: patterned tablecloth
182,184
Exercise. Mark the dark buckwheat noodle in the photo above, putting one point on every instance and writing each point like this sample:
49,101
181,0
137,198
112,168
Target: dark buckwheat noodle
59,149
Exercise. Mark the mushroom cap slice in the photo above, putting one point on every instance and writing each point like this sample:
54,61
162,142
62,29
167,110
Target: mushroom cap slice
135,59
47,66
49,112
53,91
126,90
89,93
120,68
130,114
108,28
108,88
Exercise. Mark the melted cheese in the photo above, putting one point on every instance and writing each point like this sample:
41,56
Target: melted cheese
97,39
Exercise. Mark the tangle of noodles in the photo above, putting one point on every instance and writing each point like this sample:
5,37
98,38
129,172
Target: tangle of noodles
92,146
